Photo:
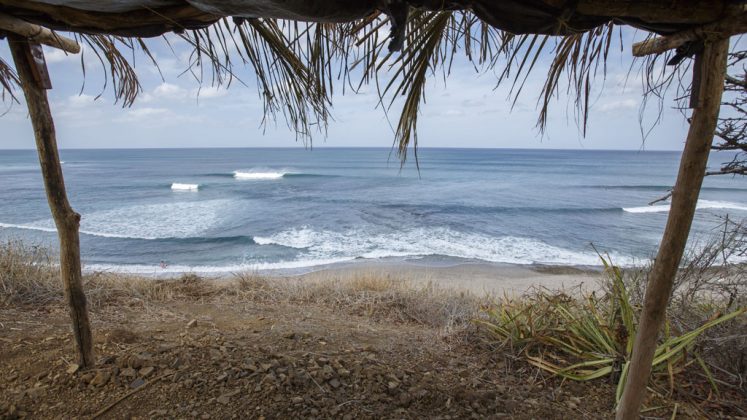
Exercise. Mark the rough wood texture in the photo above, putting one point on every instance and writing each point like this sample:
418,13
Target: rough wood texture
66,220
660,11
734,24
712,64
37,33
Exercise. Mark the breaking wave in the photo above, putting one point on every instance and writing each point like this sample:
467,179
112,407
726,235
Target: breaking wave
258,176
185,187
144,269
423,242
702,205
147,222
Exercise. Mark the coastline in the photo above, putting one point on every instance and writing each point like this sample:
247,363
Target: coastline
480,279
475,277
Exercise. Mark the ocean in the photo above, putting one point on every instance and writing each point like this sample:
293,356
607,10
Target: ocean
227,210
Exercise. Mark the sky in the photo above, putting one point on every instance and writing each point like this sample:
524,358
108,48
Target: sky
467,110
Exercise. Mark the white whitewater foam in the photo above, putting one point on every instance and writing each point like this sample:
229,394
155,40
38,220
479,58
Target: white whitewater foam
258,176
430,241
148,222
185,187
27,227
144,269
702,204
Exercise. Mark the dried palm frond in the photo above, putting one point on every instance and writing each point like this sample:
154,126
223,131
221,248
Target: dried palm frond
297,65
8,81
286,83
580,56
435,39
108,49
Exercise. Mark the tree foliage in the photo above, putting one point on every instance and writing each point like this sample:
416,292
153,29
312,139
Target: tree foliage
731,134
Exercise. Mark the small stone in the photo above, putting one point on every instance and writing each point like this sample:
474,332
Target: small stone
36,392
106,360
137,383
192,323
335,383
297,400
575,400
101,378
136,362
74,367
128,372
144,372
393,385
224,399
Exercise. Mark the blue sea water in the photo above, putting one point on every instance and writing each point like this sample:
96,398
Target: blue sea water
224,210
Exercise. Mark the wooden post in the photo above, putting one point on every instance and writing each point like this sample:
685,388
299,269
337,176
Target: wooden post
711,69
30,66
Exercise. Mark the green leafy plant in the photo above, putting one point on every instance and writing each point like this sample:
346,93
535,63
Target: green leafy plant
592,337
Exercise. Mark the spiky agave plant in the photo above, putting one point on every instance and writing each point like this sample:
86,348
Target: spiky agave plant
591,338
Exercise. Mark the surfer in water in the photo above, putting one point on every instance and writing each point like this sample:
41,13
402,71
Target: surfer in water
163,265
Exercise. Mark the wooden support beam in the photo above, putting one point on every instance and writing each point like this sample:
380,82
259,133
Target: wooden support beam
65,218
661,11
732,25
711,64
38,34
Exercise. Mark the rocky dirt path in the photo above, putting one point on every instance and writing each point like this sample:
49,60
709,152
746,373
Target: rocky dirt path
247,360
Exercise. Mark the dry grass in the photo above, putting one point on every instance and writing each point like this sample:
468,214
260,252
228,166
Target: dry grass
371,295
29,276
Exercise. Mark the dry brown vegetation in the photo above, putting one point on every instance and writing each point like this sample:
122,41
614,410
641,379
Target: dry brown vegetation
377,327
28,276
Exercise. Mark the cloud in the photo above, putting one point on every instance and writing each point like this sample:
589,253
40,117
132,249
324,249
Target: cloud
80,101
164,92
169,92
141,115
211,92
623,104
54,55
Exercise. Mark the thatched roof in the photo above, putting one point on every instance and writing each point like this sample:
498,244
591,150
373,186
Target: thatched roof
144,18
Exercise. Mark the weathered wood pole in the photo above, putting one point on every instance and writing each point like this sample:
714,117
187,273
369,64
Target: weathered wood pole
709,73
66,219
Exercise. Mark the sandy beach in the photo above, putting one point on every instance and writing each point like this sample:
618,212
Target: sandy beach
479,279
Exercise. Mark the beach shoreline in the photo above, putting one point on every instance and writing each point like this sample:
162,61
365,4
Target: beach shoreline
476,277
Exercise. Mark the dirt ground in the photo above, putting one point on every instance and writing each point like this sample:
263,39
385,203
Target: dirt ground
227,358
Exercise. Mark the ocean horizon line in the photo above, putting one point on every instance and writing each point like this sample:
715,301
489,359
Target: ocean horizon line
549,149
